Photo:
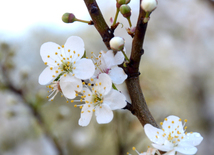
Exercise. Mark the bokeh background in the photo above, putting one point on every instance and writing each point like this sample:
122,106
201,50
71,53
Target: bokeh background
176,77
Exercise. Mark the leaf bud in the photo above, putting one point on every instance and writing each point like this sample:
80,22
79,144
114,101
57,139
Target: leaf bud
149,5
68,18
125,10
117,43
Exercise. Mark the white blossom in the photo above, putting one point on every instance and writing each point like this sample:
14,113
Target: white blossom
172,137
65,63
101,99
107,63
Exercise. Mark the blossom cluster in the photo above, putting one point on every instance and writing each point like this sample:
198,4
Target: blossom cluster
72,74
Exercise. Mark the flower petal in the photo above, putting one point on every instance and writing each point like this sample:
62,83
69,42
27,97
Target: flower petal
103,84
163,147
172,152
154,134
103,114
117,75
84,69
115,100
74,43
49,52
69,84
111,59
186,149
86,114
174,123
193,139
48,75
123,89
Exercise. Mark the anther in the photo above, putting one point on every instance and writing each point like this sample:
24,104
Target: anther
46,63
81,107
75,105
48,56
62,46
56,53
58,47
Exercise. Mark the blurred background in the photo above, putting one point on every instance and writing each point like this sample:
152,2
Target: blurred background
176,77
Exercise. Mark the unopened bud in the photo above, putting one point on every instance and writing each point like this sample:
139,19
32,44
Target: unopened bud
149,5
125,10
117,43
68,18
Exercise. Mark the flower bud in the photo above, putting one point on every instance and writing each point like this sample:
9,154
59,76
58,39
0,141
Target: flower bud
125,10
68,18
149,5
121,2
117,43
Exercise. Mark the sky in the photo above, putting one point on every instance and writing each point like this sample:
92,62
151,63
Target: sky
18,15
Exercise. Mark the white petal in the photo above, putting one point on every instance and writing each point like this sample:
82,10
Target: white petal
75,43
103,84
86,114
84,69
48,53
115,100
111,59
103,114
46,76
87,92
163,147
172,152
123,89
69,85
186,149
117,75
193,139
151,132
177,124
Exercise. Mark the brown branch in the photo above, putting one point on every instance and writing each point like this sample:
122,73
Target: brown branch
99,22
139,106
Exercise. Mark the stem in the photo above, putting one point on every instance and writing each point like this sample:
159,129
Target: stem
116,15
130,23
83,21
125,56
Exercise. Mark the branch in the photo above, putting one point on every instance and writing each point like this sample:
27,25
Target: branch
139,106
99,22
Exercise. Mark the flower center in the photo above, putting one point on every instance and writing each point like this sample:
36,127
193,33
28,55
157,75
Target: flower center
97,99
66,66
